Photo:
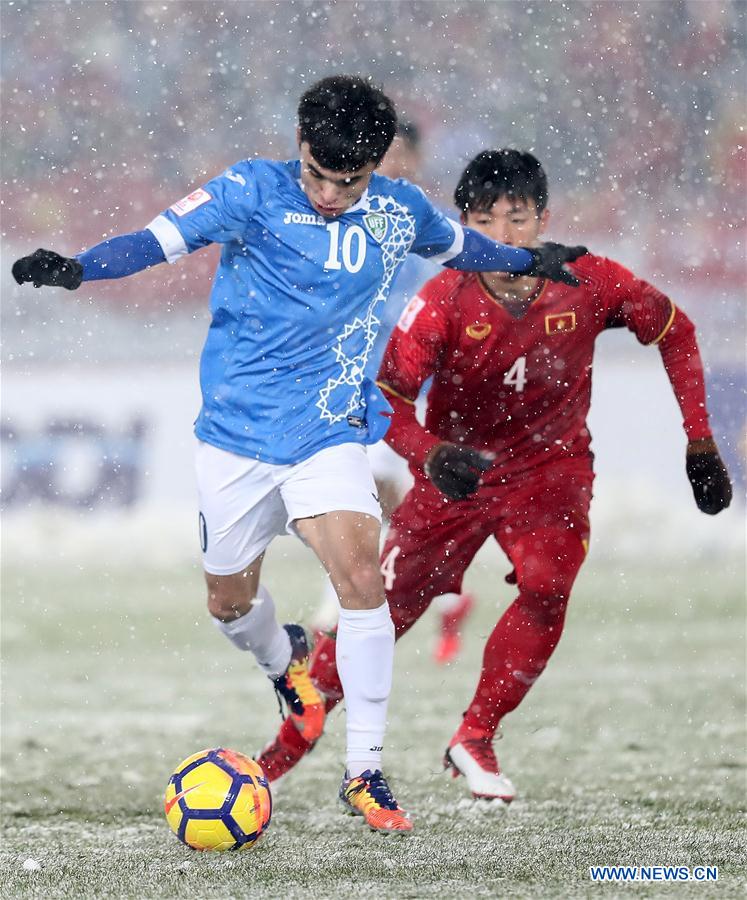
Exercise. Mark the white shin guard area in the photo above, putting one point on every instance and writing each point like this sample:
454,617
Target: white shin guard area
365,655
259,631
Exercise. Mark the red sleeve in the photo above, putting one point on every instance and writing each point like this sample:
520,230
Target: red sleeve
406,435
679,352
654,319
412,356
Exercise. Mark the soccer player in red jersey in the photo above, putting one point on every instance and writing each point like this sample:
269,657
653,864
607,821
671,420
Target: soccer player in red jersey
505,448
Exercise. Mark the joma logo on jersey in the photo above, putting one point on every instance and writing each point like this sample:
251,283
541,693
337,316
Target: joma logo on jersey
377,225
559,322
292,218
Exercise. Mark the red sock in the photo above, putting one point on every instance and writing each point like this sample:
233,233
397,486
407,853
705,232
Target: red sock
323,669
525,637
515,655
290,736
323,662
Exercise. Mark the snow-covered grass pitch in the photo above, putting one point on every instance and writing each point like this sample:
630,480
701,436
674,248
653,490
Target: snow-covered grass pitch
629,750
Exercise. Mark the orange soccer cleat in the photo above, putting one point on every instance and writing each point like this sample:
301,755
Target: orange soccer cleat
305,703
368,795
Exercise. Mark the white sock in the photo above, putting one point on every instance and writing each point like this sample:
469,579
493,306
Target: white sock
259,631
365,655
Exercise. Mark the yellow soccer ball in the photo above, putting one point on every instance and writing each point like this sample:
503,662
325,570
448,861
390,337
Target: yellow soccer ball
218,800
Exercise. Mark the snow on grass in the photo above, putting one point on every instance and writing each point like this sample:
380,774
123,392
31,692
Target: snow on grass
629,750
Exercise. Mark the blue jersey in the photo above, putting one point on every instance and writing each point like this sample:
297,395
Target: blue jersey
296,303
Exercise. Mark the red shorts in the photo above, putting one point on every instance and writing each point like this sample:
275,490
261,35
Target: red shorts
431,540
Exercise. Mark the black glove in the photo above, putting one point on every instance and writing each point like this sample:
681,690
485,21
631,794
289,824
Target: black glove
456,470
549,262
45,267
708,477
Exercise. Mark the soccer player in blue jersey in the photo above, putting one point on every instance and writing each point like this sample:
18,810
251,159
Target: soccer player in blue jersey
309,251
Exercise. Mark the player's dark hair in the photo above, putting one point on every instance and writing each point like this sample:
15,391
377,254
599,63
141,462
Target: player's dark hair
347,121
494,174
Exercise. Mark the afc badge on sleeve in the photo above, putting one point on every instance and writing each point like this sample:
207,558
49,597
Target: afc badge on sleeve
410,313
190,202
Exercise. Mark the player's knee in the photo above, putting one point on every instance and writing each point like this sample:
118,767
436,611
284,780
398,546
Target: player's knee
225,605
546,569
361,587
548,561
544,590
231,596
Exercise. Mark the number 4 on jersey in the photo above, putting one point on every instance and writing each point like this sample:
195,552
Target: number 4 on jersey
516,377
387,568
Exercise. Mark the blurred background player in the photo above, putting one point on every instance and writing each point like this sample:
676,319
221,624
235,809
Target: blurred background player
505,451
403,159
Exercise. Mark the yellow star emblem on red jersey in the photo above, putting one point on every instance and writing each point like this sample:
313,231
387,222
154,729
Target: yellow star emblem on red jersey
558,322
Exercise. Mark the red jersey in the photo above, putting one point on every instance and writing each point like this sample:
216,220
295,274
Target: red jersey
521,387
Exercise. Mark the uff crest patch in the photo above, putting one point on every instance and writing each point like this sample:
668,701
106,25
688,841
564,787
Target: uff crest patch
377,225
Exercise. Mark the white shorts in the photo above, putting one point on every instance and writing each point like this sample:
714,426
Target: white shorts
387,465
245,503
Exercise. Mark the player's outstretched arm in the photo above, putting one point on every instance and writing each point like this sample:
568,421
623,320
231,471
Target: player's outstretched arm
480,254
705,469
113,258
657,321
708,476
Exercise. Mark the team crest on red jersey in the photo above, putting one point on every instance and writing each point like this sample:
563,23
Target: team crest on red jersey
479,331
558,322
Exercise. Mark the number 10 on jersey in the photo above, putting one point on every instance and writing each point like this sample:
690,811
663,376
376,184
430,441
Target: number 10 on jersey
352,259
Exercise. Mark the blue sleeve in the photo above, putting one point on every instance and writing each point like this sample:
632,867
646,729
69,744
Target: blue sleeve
447,242
120,256
480,254
436,237
218,212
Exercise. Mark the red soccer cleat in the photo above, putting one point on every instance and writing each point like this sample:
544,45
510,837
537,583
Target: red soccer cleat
470,753
284,751
450,640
